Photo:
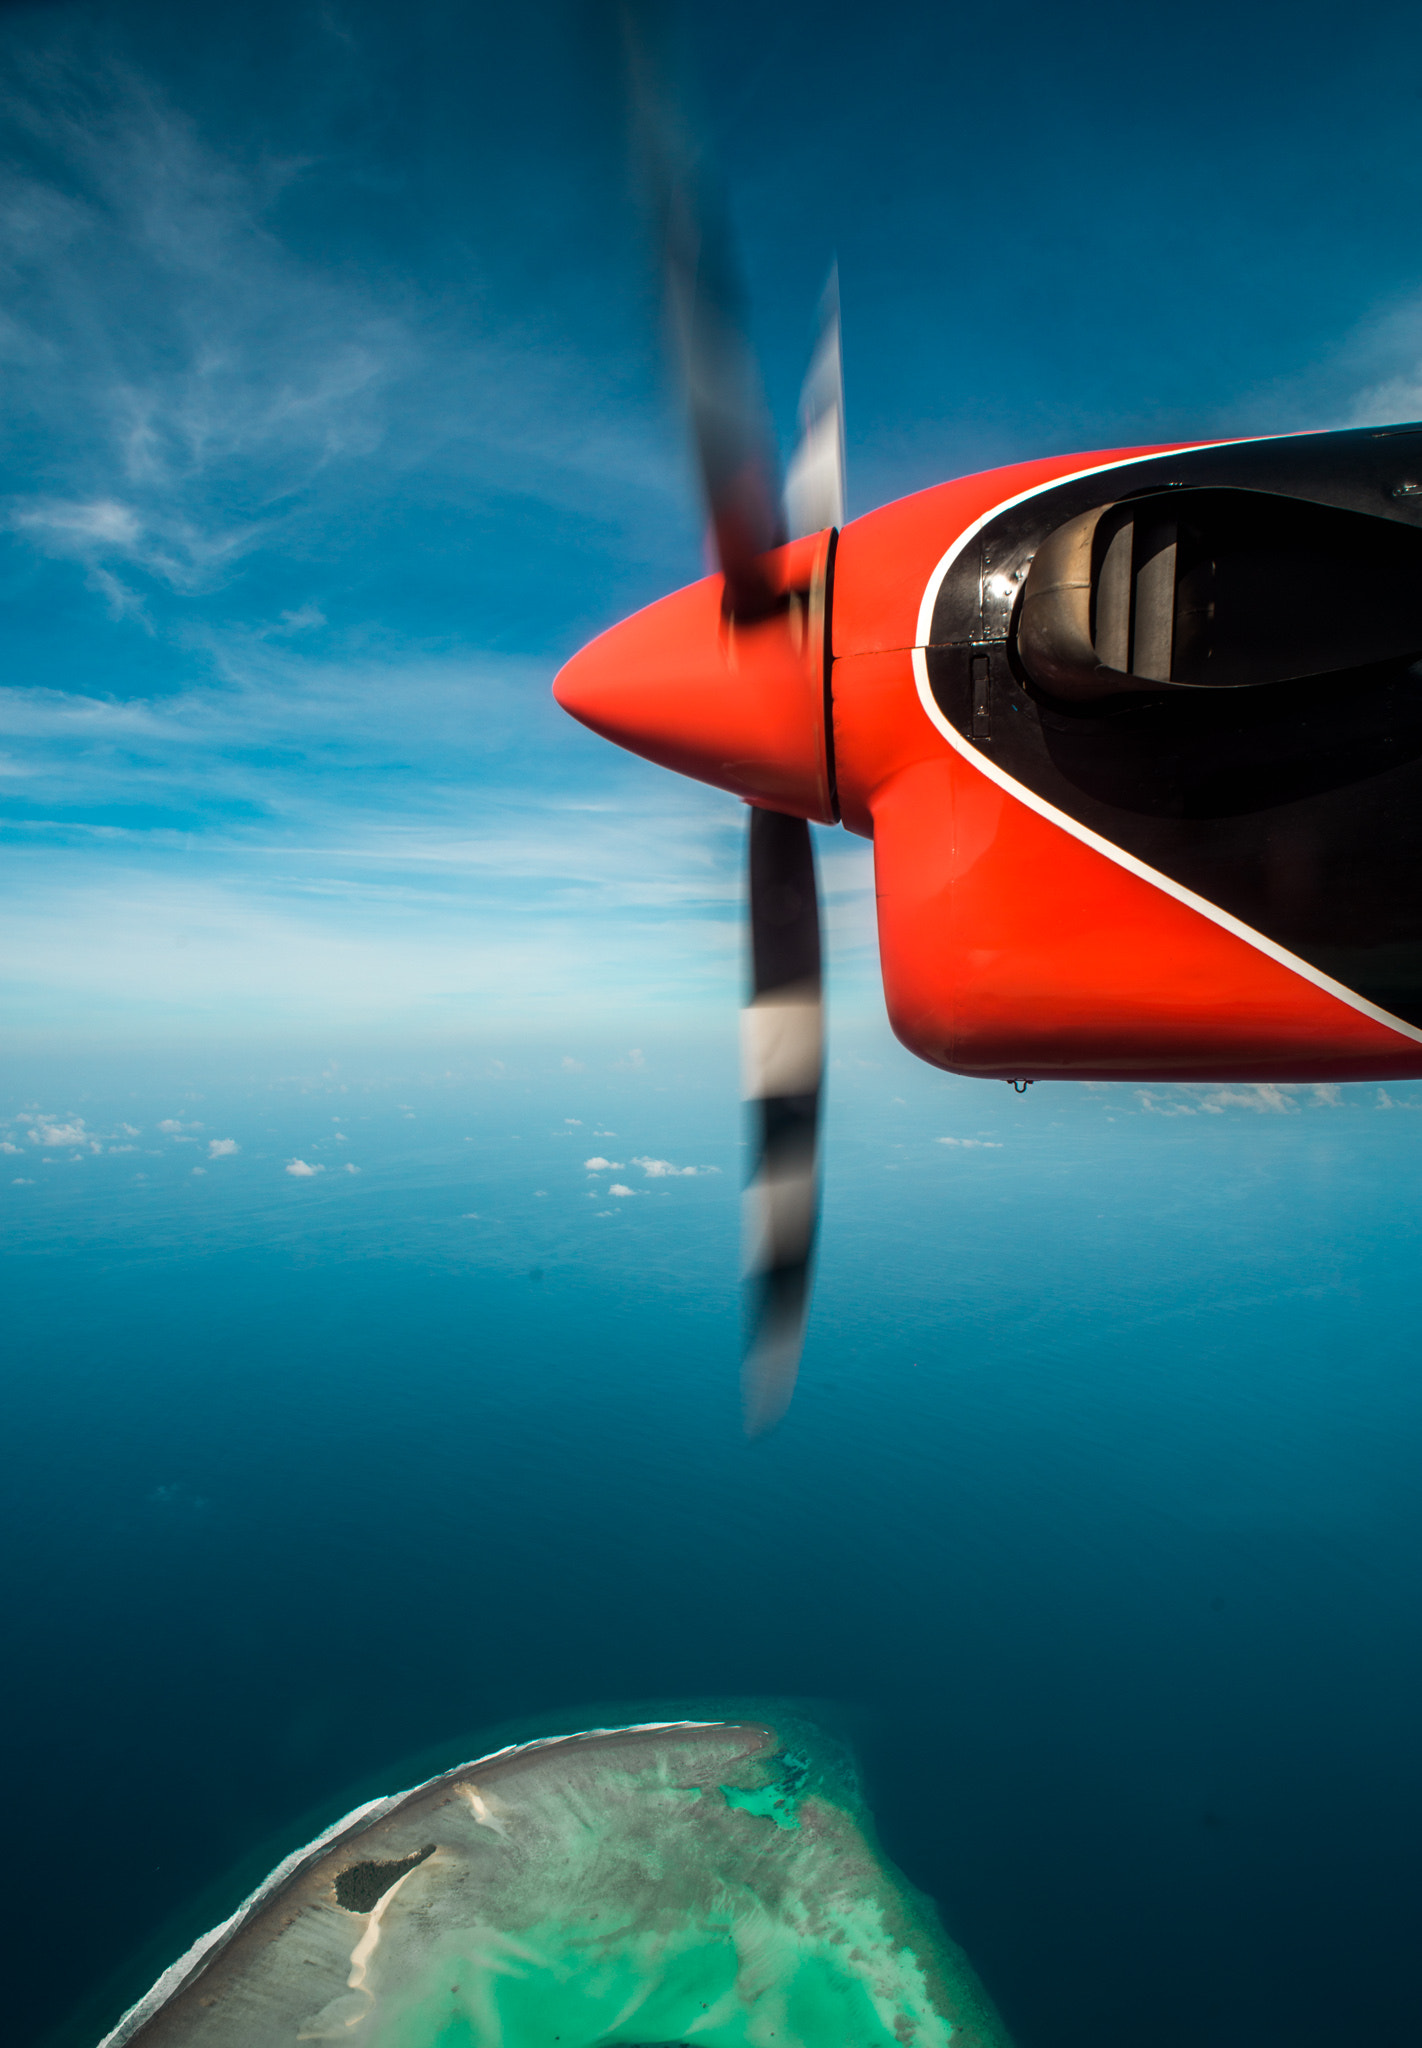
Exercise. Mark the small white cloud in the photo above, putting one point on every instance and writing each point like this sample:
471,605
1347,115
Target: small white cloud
351,1169
222,1148
572,1066
662,1169
1326,1095
600,1165
471,1216
341,1138
540,1194
576,1121
299,1170
6,1146
618,1189
22,1183
129,1130
634,1060
974,1144
199,1169
1158,1105
123,1148
1263,1097
47,1132
171,1126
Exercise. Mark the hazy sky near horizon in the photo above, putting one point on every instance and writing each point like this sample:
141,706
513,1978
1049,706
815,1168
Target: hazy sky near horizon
333,419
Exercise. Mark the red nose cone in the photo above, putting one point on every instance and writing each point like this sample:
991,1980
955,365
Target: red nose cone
740,706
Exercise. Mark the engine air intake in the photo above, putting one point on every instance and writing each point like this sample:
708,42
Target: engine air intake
1217,589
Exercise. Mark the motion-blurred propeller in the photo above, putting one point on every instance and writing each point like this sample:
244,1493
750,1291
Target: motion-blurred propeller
783,1023
814,482
707,313
782,1060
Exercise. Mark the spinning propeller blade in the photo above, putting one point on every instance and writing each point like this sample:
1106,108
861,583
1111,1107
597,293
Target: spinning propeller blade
707,311
782,1061
782,1036
783,1025
814,482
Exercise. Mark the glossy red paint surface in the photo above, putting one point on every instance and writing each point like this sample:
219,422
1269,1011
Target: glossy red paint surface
1009,945
1011,949
739,706
884,560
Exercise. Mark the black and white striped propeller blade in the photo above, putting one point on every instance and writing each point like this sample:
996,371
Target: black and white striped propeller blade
782,1027
782,1062
782,1035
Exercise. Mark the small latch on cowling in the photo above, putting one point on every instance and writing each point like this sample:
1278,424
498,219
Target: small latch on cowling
982,697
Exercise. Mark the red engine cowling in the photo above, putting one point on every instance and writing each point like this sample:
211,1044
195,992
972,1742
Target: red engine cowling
1145,797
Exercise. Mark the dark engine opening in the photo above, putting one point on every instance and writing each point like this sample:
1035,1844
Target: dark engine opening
1217,589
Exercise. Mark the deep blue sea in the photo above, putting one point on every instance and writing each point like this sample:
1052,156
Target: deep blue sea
1096,1522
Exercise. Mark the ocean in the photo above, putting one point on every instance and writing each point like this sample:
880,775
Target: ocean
1094,1526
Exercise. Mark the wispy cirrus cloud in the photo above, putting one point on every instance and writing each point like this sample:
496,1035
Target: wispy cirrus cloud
110,538
374,837
191,371
263,785
201,387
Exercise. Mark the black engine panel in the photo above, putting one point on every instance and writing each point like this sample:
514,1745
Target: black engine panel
1295,805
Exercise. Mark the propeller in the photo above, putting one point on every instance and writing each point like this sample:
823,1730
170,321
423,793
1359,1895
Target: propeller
782,1027
814,482
782,1064
783,1024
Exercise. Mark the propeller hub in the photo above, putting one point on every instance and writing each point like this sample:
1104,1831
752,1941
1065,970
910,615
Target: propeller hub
737,703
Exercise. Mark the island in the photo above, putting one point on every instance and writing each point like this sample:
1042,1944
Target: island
692,1882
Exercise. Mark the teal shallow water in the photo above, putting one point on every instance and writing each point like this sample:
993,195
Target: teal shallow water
694,1881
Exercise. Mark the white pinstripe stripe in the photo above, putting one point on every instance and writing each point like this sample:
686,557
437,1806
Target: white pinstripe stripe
955,739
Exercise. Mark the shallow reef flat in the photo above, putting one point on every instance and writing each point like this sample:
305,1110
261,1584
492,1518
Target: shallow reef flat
686,1882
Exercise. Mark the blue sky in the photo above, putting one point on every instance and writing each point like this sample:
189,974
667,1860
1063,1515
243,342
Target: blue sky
333,418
